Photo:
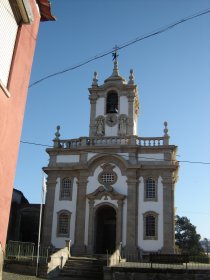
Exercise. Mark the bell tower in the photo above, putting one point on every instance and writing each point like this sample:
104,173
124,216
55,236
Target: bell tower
114,105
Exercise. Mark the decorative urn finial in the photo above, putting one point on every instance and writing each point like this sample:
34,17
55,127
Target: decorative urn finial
166,136
165,129
131,78
56,140
95,80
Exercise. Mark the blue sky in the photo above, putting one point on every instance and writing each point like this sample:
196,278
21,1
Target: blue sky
171,70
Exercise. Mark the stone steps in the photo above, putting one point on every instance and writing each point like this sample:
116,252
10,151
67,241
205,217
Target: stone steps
83,268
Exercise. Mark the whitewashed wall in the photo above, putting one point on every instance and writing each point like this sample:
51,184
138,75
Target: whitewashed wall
145,206
135,131
100,103
67,158
150,157
123,105
111,131
90,155
120,186
59,205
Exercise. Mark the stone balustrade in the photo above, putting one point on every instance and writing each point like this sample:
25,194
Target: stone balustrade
112,140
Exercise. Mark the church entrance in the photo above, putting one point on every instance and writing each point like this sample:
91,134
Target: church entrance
105,229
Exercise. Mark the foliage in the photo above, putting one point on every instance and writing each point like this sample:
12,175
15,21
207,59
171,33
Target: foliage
187,239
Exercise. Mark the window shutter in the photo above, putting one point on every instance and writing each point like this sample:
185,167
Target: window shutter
8,33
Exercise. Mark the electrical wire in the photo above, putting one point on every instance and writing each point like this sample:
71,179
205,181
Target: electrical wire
35,144
104,153
124,45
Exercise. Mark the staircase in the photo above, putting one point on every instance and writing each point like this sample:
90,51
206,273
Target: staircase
83,268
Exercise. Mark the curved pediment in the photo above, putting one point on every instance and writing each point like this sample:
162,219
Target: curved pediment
105,191
99,159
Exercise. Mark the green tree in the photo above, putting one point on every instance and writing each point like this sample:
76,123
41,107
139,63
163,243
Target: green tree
186,237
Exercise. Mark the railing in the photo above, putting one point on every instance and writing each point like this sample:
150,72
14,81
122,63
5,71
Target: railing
173,262
151,141
16,250
112,140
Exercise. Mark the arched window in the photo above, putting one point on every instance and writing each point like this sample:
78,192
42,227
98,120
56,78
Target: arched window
112,102
150,225
150,189
66,189
63,223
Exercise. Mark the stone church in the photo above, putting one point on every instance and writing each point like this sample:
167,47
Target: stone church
113,188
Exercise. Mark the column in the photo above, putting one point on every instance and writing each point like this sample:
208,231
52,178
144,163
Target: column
79,246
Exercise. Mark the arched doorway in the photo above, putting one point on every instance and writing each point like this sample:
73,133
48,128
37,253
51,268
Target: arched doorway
105,229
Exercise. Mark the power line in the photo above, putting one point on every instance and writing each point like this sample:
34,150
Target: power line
35,144
122,46
192,212
104,153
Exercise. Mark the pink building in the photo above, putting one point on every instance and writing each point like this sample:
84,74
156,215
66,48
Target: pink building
18,20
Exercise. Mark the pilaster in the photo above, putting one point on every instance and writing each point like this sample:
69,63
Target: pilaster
119,223
79,246
130,113
90,227
93,99
132,222
49,209
168,214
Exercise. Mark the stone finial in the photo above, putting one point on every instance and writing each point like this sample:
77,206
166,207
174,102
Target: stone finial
165,129
56,140
115,69
57,133
131,78
166,136
95,80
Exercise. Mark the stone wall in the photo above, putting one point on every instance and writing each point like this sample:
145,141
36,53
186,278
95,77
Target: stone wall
125,274
20,267
1,261
57,262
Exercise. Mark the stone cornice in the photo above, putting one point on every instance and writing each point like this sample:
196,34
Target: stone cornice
119,86
123,148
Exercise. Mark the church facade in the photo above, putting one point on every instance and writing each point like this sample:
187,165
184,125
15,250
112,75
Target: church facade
112,188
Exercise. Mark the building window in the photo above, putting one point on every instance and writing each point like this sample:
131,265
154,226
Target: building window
66,189
8,33
63,225
150,190
112,102
107,176
150,225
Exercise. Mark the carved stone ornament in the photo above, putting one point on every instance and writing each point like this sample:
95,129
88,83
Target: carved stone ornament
101,191
123,119
107,177
111,119
100,126
136,104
